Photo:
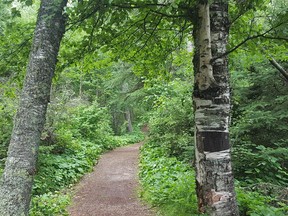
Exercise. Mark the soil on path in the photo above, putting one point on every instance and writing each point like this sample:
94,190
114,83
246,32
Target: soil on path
112,188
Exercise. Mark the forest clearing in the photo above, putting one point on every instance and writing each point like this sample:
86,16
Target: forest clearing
202,83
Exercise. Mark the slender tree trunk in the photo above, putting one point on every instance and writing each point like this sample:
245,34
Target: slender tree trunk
129,121
17,179
215,184
127,113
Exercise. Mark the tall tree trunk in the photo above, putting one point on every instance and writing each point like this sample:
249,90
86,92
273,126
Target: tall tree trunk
127,112
129,121
215,183
17,179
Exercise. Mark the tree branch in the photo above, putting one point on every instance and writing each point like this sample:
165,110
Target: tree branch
167,15
279,68
134,6
151,34
244,41
275,38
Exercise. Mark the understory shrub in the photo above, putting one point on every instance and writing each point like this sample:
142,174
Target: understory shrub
253,203
166,182
7,111
259,164
134,137
259,125
169,184
50,204
171,121
71,145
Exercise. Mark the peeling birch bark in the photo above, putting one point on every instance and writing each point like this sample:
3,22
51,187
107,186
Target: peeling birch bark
205,76
214,178
20,168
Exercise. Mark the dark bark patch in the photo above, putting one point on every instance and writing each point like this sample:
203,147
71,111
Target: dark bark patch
215,141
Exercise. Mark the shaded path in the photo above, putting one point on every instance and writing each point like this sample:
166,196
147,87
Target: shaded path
111,190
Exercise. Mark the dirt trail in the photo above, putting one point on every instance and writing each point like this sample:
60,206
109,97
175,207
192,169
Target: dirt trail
112,188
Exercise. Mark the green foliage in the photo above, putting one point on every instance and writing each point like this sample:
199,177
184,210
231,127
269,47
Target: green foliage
167,182
256,164
7,111
59,171
71,144
50,204
130,138
75,135
254,204
170,185
78,129
259,136
15,35
260,30
259,130
171,121
123,97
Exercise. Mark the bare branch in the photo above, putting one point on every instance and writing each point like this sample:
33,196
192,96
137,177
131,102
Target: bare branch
134,6
245,40
279,68
275,38
168,15
151,34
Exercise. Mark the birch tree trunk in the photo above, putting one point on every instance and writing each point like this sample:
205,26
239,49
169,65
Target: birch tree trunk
214,179
17,179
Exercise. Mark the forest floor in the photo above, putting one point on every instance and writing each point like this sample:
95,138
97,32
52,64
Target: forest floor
111,189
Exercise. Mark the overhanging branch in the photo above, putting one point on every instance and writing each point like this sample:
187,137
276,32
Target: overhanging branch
279,68
245,40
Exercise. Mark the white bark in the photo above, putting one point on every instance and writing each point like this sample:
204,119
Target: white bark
215,187
205,76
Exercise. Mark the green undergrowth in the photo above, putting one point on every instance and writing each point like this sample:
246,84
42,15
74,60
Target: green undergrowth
75,135
51,203
58,173
71,145
169,185
253,203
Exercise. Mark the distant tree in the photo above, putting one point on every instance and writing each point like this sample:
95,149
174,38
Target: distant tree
20,167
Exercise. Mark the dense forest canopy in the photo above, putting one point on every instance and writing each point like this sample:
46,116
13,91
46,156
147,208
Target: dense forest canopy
124,65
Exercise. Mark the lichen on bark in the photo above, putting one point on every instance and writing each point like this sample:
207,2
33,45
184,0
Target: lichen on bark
20,167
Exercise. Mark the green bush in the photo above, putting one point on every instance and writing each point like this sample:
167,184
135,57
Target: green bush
49,204
171,121
167,182
1,170
7,111
71,144
129,138
254,204
59,171
170,185
257,163
259,129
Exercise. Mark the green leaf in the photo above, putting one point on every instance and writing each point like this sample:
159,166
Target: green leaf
15,12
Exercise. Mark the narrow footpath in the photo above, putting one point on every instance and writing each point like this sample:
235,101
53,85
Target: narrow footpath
111,189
